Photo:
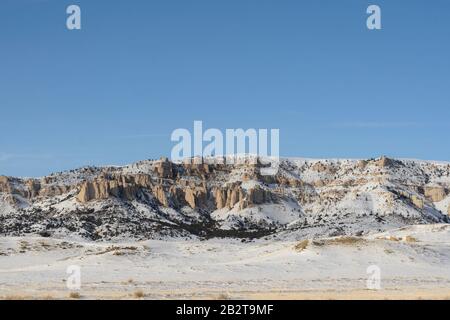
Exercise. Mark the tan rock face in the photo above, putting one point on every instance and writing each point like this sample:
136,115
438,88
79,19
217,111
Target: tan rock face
125,187
435,194
34,187
385,162
160,195
418,202
220,197
93,191
31,188
129,187
190,197
5,186
165,169
4,180
195,197
233,195
52,191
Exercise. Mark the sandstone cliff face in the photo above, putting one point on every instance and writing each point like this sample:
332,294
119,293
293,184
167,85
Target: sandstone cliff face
5,185
125,187
31,188
435,194
232,195
178,185
165,169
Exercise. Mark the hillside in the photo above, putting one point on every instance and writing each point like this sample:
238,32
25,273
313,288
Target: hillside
156,199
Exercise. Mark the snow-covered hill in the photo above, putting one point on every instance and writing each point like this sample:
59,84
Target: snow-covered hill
156,199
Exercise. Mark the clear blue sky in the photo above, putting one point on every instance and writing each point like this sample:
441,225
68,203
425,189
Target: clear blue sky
113,92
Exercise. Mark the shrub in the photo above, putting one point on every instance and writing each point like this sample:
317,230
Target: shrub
138,294
223,296
74,295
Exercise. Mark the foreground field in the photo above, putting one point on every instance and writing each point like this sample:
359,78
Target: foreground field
414,263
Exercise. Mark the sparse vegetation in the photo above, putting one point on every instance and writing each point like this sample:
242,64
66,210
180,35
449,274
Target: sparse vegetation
139,294
302,245
74,295
410,239
348,240
223,296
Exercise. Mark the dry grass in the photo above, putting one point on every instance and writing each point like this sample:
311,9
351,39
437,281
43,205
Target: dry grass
397,239
117,251
348,240
410,239
139,294
302,245
223,296
74,295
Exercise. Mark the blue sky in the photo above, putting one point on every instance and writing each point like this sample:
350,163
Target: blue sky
113,92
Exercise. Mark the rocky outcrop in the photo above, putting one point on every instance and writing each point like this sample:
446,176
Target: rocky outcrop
30,189
417,201
160,195
232,195
385,162
413,198
220,196
196,197
119,186
435,194
5,186
165,169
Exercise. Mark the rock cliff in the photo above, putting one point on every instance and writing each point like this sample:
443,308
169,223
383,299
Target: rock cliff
212,198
